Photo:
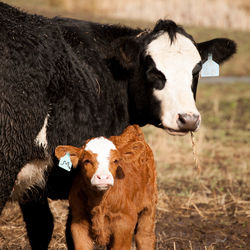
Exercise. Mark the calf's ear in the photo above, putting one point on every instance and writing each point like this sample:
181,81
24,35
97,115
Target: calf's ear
133,151
221,48
73,151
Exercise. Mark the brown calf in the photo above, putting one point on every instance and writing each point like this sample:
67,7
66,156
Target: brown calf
114,192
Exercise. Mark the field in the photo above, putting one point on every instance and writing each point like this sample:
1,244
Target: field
204,197
204,207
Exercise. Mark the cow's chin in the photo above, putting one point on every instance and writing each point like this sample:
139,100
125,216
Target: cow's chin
175,132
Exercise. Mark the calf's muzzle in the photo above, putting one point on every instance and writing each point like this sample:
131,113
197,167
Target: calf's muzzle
102,181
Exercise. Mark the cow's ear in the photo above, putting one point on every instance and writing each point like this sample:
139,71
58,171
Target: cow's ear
133,151
221,48
74,152
123,58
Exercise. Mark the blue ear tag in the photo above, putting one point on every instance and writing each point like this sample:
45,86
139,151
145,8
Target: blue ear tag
210,67
65,162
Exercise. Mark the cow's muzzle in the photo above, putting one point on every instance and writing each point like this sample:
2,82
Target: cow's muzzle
188,121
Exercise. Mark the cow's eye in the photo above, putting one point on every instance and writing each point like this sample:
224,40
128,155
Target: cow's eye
197,69
156,79
116,161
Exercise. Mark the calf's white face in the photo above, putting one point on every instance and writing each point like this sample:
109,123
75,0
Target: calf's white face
176,61
101,148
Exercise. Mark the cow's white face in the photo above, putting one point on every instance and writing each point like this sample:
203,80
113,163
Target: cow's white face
176,61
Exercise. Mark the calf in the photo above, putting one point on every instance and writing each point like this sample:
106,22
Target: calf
114,191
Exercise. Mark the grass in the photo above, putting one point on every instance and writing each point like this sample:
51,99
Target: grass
222,142
209,209
218,197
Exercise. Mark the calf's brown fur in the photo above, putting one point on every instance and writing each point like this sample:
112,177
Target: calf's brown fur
112,217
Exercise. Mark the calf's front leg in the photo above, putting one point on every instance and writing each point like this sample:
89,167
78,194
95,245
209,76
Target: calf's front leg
123,230
80,235
145,235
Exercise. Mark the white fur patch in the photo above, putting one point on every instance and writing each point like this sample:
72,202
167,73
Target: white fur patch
101,146
41,138
32,174
176,61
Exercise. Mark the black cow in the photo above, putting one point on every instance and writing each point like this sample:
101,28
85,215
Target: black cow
63,81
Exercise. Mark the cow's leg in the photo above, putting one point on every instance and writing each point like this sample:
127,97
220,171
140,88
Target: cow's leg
8,173
39,221
145,233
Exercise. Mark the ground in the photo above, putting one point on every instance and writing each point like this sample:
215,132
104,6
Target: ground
202,204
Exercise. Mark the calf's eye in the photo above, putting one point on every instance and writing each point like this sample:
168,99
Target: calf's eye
86,162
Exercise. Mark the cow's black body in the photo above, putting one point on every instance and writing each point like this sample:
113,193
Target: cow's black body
40,75
85,78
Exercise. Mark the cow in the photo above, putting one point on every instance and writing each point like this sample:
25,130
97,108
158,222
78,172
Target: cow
64,81
113,193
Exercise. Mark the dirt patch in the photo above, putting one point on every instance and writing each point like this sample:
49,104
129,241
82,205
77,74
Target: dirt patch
181,228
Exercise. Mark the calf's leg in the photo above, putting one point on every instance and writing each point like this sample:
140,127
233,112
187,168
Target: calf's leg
69,240
123,230
145,233
38,219
80,235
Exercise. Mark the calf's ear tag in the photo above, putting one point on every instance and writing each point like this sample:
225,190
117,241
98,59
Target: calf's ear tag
65,162
210,67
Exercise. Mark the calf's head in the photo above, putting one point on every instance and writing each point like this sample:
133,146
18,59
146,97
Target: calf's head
163,67
99,161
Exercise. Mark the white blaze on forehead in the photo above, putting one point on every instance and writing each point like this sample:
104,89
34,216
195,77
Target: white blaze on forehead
176,61
101,146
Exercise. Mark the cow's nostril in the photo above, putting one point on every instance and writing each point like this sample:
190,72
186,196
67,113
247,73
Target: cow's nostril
181,118
188,121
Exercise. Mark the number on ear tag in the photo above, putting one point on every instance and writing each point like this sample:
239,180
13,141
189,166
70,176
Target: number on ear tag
65,162
210,68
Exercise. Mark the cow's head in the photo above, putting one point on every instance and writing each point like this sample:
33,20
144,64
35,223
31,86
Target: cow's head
99,161
163,67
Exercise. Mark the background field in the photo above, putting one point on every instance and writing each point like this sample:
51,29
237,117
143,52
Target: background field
206,208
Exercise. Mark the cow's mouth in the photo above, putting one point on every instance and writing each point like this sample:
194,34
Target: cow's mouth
175,132
172,131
